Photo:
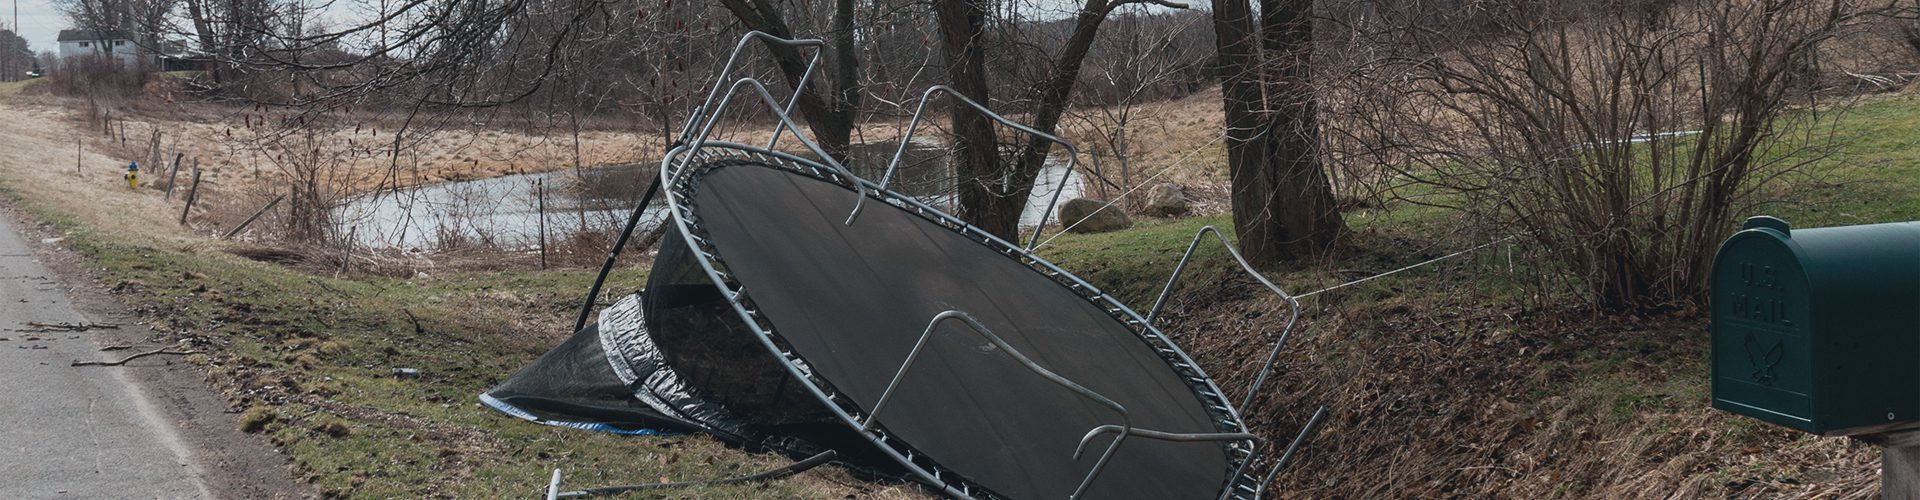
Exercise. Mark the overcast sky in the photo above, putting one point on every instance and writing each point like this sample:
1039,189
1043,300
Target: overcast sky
39,23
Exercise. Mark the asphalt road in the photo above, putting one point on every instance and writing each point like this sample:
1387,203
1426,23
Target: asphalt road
67,431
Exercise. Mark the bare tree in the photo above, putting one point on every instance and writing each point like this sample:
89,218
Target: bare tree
1283,203
1624,145
832,116
1142,59
992,193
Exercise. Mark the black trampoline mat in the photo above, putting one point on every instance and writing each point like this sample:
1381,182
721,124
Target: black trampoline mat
851,301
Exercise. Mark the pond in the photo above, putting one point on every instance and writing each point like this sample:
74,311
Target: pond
505,211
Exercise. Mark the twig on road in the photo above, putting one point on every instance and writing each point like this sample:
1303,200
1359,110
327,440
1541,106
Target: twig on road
133,357
69,327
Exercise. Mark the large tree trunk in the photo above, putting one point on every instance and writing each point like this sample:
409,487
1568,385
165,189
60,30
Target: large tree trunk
1242,99
983,201
1282,200
1308,217
830,115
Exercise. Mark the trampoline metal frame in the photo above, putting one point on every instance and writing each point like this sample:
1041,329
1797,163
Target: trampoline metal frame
913,126
677,176
1293,317
1225,415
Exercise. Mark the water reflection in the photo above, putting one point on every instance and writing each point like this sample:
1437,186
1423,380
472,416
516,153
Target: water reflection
505,211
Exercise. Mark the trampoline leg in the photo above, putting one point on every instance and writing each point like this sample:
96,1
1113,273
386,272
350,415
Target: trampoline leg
1305,432
593,293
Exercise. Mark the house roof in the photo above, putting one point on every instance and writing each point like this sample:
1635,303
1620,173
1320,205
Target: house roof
91,35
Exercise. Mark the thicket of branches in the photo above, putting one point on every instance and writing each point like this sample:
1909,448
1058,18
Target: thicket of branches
1571,123
1624,137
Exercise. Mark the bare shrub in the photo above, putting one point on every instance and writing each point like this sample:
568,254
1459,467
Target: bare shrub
97,76
1625,145
1144,58
317,176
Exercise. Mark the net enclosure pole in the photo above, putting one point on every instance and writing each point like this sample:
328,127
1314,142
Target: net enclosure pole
593,292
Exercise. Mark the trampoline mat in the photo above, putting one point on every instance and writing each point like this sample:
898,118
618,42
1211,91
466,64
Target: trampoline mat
852,300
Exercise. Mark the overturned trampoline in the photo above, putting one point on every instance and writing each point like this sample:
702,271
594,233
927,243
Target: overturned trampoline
797,308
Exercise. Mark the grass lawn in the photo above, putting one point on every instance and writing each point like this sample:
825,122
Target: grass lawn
310,360
1874,175
14,87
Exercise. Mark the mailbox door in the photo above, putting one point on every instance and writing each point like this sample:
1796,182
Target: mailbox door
1762,352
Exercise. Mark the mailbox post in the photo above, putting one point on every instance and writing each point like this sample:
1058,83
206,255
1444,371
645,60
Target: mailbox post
1819,330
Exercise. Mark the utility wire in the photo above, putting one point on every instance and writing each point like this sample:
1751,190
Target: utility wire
1388,273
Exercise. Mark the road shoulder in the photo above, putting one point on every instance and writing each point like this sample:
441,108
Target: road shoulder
231,463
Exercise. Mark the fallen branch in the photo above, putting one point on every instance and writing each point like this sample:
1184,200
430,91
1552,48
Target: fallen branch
133,357
73,327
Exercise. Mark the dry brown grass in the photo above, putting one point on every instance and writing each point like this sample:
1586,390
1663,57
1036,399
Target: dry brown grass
1435,393
237,145
39,166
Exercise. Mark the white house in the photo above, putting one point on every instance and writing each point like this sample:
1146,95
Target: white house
77,43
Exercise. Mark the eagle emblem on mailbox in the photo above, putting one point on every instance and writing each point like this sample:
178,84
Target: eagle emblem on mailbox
1763,361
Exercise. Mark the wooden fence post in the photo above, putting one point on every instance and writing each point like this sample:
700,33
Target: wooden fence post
1899,462
346,257
175,174
540,192
193,193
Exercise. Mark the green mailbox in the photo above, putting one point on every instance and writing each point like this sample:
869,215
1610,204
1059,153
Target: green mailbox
1819,329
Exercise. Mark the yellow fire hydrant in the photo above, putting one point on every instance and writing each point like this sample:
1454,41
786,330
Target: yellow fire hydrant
133,175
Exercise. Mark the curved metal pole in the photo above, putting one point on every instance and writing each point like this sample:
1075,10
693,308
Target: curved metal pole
1293,303
761,90
798,89
1181,437
1126,426
686,131
1073,154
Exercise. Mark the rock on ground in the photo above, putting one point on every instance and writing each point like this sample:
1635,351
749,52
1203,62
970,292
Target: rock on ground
1167,200
1097,220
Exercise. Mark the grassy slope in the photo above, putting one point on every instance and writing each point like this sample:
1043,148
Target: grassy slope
1445,380
15,87
310,359
1440,379
1874,176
